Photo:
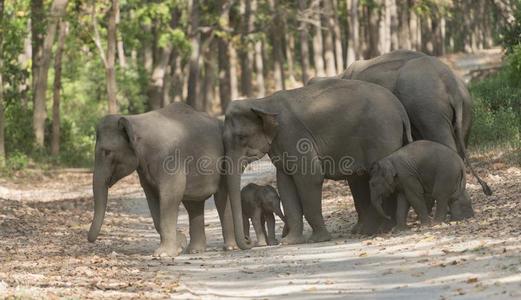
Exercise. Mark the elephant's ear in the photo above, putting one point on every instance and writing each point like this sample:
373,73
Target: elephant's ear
270,125
128,132
388,172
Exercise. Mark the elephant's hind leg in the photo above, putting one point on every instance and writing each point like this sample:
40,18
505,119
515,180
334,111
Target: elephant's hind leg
170,196
196,220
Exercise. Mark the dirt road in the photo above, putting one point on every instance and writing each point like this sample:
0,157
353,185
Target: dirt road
44,252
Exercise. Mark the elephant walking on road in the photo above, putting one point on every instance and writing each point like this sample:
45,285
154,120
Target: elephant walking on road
334,129
165,146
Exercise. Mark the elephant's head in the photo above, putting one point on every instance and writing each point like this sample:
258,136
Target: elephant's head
248,133
461,208
382,184
115,158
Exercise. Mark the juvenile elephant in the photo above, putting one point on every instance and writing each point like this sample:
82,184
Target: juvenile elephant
437,101
417,173
164,147
259,203
334,129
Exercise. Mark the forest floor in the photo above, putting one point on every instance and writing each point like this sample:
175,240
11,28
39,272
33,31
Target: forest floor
44,253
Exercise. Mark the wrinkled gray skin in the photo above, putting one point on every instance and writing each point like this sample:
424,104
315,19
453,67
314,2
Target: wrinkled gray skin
335,121
437,101
163,146
417,173
260,203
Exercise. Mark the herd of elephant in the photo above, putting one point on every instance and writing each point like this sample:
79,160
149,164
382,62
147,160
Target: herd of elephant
401,121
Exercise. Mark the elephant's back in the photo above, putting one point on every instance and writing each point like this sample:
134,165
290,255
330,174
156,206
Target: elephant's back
358,118
382,70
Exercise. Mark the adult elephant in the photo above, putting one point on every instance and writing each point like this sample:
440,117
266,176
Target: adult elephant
437,101
334,129
178,154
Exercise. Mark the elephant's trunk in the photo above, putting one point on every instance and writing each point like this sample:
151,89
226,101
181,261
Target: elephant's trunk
100,189
377,204
233,180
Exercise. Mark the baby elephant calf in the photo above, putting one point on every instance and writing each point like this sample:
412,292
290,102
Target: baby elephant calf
259,203
417,173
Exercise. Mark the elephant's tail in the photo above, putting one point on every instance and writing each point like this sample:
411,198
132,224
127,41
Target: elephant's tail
407,136
458,112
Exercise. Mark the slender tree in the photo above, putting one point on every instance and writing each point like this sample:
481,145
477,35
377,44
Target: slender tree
40,86
304,42
57,85
318,48
195,40
353,41
2,105
329,51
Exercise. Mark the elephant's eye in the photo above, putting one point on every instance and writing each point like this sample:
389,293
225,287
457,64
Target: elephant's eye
106,152
241,138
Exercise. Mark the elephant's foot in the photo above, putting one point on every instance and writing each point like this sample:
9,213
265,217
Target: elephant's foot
386,226
320,236
292,239
273,242
366,228
261,243
400,228
167,250
196,247
230,246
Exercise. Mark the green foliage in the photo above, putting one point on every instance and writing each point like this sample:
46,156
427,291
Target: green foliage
16,161
511,35
18,129
497,111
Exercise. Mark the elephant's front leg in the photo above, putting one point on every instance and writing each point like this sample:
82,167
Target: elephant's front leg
195,211
225,215
415,195
402,210
153,202
292,208
170,196
310,192
442,208
369,220
258,227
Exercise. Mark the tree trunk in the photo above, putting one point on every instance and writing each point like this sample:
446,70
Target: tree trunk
384,28
178,79
374,32
121,49
404,36
318,52
55,139
393,28
245,53
2,109
37,35
157,80
207,89
277,31
40,88
259,70
234,84
290,49
224,74
112,87
339,55
329,52
353,41
195,39
304,43
414,28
